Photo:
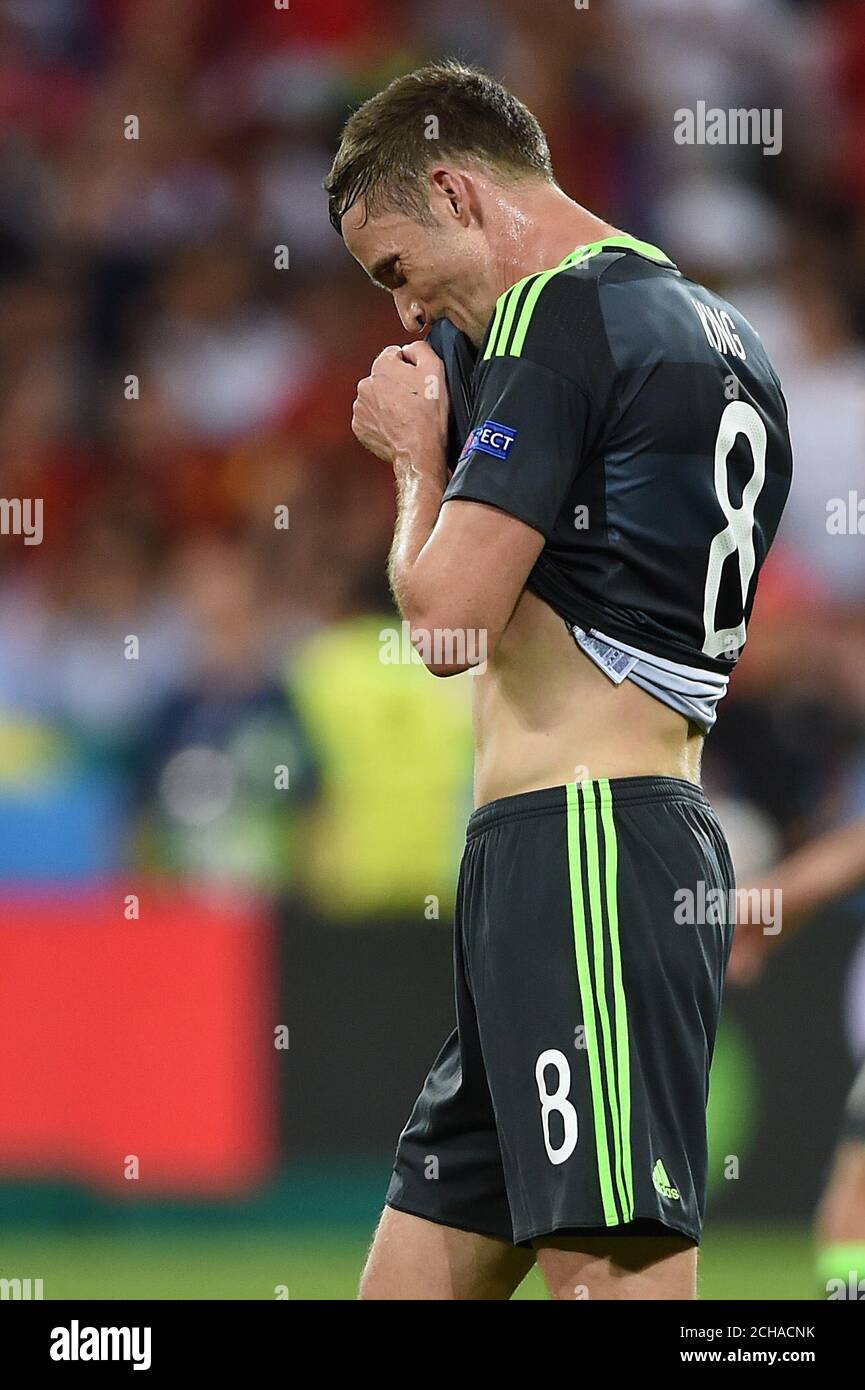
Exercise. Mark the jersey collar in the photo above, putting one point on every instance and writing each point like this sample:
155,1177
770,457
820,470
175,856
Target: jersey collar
626,242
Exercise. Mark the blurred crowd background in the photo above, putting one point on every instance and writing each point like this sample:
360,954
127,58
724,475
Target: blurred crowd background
163,258
181,333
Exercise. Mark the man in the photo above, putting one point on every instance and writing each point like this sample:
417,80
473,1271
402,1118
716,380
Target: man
823,871
624,463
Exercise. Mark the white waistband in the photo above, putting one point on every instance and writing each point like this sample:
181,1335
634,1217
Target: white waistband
689,690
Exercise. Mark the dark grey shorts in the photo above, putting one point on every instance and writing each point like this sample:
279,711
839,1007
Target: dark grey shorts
591,942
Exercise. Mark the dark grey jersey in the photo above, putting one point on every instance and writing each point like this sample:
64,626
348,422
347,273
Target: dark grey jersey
633,418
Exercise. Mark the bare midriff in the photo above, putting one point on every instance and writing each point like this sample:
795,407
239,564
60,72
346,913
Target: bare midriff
545,715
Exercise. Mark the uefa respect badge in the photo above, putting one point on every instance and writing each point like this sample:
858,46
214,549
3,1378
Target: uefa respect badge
490,438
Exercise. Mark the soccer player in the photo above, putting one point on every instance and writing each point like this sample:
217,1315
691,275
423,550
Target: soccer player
815,875
592,457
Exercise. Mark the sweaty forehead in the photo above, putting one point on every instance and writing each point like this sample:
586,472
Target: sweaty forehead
373,239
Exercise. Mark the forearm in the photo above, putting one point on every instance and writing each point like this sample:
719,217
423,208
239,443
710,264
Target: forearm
826,869
419,496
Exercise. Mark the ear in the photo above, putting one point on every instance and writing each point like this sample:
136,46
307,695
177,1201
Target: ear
453,194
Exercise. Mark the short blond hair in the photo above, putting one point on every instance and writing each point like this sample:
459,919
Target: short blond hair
386,148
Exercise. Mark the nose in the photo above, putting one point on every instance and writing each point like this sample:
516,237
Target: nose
412,313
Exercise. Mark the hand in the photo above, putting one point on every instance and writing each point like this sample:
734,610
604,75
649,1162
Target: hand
749,954
752,945
401,410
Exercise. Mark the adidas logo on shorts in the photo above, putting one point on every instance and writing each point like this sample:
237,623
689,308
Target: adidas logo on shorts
662,1182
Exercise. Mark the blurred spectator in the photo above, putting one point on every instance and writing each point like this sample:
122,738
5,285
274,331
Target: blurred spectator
99,654
227,365
224,763
395,756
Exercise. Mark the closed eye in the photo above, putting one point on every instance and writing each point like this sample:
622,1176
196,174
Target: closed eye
386,273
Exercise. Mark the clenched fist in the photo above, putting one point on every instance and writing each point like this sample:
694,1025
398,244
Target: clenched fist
401,410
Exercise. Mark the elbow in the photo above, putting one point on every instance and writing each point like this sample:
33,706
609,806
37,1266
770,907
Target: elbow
448,647
443,669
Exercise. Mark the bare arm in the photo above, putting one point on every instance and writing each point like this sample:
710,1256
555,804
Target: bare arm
458,568
822,870
465,579
818,873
